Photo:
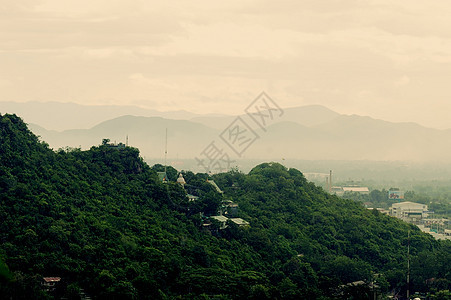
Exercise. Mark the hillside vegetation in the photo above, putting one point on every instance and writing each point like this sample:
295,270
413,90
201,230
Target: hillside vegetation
102,221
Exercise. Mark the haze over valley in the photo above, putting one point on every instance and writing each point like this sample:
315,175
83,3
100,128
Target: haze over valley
303,133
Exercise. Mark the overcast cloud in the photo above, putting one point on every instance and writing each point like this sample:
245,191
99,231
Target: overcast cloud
386,59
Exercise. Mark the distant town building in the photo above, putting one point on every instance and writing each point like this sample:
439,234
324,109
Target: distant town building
340,190
431,222
409,211
316,176
337,190
356,189
381,210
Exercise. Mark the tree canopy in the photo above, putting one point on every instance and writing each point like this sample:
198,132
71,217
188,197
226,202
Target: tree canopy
102,221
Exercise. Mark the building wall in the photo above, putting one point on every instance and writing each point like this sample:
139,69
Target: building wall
409,210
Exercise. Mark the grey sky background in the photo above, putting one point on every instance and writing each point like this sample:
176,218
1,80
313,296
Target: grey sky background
386,59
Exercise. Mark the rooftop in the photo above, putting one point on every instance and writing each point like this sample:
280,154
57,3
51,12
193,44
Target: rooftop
239,221
359,189
408,204
220,218
51,279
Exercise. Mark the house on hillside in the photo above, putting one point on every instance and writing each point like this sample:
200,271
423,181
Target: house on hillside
49,283
357,288
192,197
229,208
120,146
222,220
240,222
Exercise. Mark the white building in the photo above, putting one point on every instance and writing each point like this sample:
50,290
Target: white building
409,210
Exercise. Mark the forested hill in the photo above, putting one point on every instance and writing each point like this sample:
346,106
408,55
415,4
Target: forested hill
103,222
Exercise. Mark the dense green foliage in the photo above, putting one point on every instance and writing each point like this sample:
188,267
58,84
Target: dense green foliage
103,222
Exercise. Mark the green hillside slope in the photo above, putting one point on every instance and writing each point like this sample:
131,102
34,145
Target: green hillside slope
103,222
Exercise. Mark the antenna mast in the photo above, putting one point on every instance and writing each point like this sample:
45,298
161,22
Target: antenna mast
330,181
165,152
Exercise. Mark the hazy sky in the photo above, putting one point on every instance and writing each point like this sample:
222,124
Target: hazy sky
385,58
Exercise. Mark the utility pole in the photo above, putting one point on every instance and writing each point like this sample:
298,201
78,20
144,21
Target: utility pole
408,265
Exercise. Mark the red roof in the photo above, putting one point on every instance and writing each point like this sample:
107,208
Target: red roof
52,279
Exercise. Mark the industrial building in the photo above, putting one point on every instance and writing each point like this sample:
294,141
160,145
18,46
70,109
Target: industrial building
409,211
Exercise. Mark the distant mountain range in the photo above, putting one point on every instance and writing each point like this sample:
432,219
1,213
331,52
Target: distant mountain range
63,116
307,132
310,115
146,133
360,138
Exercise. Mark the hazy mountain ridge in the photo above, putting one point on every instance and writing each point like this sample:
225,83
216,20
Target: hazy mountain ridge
339,137
146,133
364,138
62,116
309,115
388,140
310,132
